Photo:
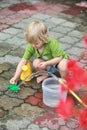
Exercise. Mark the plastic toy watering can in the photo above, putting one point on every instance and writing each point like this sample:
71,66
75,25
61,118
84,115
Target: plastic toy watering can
26,71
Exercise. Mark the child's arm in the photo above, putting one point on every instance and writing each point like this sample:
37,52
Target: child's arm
54,61
44,64
16,76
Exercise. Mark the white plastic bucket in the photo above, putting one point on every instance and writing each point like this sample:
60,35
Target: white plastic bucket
52,92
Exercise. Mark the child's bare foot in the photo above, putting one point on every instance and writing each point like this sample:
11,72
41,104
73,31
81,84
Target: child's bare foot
41,78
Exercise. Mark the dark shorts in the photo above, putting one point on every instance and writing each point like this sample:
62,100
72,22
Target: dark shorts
52,69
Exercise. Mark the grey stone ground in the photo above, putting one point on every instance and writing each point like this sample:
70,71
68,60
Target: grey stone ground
15,114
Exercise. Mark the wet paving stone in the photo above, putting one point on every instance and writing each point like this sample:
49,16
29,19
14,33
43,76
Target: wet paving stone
34,84
3,84
6,12
48,119
2,113
64,128
3,127
13,122
4,67
27,110
75,10
82,28
25,92
72,124
77,20
10,59
17,52
33,100
3,49
38,95
22,6
3,26
8,103
41,104
8,74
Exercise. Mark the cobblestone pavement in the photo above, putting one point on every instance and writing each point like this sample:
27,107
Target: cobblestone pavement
67,22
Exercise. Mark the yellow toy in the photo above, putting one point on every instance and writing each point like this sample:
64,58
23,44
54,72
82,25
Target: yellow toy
26,71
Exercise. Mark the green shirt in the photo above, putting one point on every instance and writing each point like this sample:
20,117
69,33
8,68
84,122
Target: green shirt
51,50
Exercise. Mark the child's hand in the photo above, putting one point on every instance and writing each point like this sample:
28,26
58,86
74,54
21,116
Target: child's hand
43,65
13,80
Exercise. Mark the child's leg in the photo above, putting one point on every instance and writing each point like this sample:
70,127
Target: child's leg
41,78
62,66
36,63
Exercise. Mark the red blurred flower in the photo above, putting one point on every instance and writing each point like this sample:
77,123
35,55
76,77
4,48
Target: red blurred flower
85,40
71,83
83,118
76,75
70,64
66,108
85,100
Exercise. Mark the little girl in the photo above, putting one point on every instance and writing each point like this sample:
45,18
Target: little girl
45,49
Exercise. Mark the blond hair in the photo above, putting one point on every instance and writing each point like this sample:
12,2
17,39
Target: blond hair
37,31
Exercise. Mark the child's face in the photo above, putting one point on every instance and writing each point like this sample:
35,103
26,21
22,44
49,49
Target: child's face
38,45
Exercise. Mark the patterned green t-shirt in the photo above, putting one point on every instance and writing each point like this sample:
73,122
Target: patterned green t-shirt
51,50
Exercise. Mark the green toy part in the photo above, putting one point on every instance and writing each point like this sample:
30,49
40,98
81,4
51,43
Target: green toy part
13,87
